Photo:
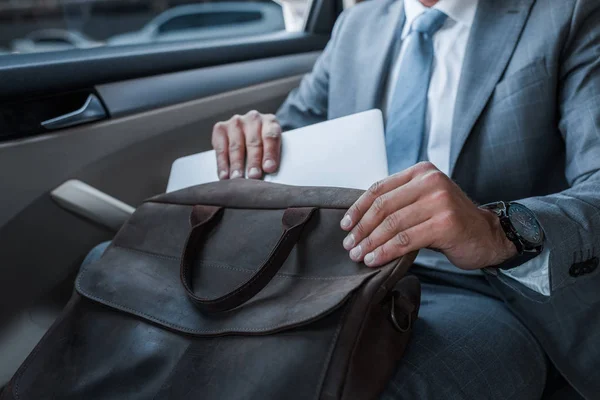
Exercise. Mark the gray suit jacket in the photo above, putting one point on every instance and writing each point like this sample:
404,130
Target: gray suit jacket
526,128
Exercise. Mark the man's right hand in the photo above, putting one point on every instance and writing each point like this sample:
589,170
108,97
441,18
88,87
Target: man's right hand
254,136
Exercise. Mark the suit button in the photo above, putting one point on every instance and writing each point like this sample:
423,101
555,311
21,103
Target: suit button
593,264
584,268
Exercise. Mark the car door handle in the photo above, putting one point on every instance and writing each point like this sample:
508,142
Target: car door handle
91,111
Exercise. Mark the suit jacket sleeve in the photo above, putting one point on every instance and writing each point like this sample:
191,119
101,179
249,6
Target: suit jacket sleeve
307,104
571,219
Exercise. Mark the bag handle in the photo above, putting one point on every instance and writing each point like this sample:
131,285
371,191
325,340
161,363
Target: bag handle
294,220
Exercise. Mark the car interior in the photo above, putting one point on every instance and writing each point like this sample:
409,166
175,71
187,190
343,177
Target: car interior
87,134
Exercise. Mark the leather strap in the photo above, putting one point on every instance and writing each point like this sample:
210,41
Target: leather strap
294,220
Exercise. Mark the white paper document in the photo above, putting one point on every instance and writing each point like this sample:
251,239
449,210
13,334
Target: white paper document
346,152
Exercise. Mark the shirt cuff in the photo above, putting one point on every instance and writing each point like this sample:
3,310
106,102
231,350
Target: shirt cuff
534,274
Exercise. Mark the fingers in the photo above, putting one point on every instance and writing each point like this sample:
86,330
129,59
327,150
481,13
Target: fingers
237,147
392,225
415,238
393,211
382,212
220,143
271,137
362,205
252,123
253,140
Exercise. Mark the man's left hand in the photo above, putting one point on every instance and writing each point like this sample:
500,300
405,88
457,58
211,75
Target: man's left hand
420,208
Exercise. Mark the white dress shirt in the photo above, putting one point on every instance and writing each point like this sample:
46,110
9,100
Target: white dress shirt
450,45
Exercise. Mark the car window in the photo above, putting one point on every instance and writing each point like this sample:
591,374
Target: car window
56,25
209,19
52,41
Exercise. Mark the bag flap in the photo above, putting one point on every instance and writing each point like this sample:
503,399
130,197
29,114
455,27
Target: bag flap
148,286
140,272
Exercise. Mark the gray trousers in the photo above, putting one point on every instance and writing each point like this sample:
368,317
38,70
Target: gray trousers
466,344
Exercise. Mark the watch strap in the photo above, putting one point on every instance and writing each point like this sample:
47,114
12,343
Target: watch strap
510,233
523,255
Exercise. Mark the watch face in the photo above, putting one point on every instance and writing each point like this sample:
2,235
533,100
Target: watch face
525,223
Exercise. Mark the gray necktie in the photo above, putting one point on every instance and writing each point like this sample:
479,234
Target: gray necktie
405,128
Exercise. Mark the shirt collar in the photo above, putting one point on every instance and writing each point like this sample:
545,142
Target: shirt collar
460,11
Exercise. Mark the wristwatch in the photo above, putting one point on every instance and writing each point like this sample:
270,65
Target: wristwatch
522,228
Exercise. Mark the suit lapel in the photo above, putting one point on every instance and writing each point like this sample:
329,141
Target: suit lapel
378,57
494,35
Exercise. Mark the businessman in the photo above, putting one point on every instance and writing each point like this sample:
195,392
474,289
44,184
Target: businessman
492,115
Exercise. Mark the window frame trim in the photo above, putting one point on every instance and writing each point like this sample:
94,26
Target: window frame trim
57,72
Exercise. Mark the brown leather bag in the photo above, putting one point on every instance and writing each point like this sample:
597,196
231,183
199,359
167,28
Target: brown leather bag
234,308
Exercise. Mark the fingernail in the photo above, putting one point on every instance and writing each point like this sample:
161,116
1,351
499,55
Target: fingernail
269,164
355,253
236,174
346,222
254,172
349,242
223,174
370,259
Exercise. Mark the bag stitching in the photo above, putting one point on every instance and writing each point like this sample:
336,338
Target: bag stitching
255,279
253,282
238,269
292,276
335,207
149,253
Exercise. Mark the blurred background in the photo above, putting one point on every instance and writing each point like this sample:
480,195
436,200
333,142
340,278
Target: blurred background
48,25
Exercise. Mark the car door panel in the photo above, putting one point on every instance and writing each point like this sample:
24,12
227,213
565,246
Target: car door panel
128,158
136,95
